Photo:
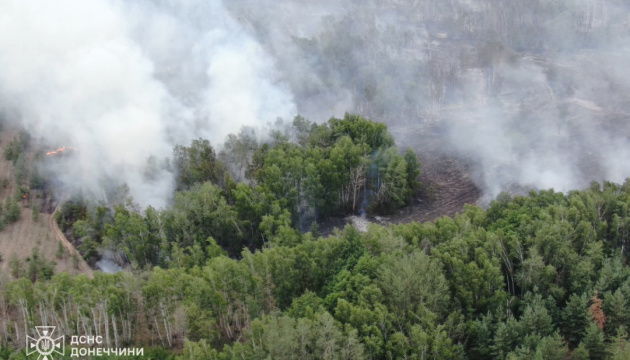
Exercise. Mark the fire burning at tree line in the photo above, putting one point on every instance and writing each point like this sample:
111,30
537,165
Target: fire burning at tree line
60,150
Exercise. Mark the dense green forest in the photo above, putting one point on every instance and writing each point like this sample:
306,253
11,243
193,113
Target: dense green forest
238,260
236,269
254,193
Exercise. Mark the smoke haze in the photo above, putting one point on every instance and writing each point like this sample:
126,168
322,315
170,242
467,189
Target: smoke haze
121,81
533,93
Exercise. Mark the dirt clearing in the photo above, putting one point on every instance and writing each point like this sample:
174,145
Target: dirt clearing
21,237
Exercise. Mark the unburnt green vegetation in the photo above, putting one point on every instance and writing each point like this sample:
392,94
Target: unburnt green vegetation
254,193
227,273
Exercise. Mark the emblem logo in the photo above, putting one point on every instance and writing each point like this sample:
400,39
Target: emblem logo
45,345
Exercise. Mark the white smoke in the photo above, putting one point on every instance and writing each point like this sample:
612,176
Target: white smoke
537,99
107,264
534,96
121,81
533,136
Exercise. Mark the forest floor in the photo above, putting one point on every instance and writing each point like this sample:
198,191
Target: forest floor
447,182
27,233
447,185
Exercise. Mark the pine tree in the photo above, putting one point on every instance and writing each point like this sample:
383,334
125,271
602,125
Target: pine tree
34,212
507,338
536,320
617,311
13,211
60,250
16,266
620,347
596,311
75,260
594,342
413,171
552,348
580,353
574,319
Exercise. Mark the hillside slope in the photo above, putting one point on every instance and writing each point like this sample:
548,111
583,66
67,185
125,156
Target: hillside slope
28,232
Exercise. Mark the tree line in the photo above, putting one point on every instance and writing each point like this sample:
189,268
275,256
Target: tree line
538,277
228,272
253,193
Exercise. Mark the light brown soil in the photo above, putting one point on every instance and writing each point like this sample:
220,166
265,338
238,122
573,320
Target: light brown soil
21,237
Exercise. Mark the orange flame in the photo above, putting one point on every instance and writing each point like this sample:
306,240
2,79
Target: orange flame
60,150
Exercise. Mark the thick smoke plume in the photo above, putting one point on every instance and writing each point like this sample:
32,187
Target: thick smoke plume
533,93
121,81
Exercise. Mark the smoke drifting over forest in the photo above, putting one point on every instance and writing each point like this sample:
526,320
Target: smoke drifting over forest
121,81
533,93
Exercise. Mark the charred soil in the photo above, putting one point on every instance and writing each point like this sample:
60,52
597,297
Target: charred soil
447,181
